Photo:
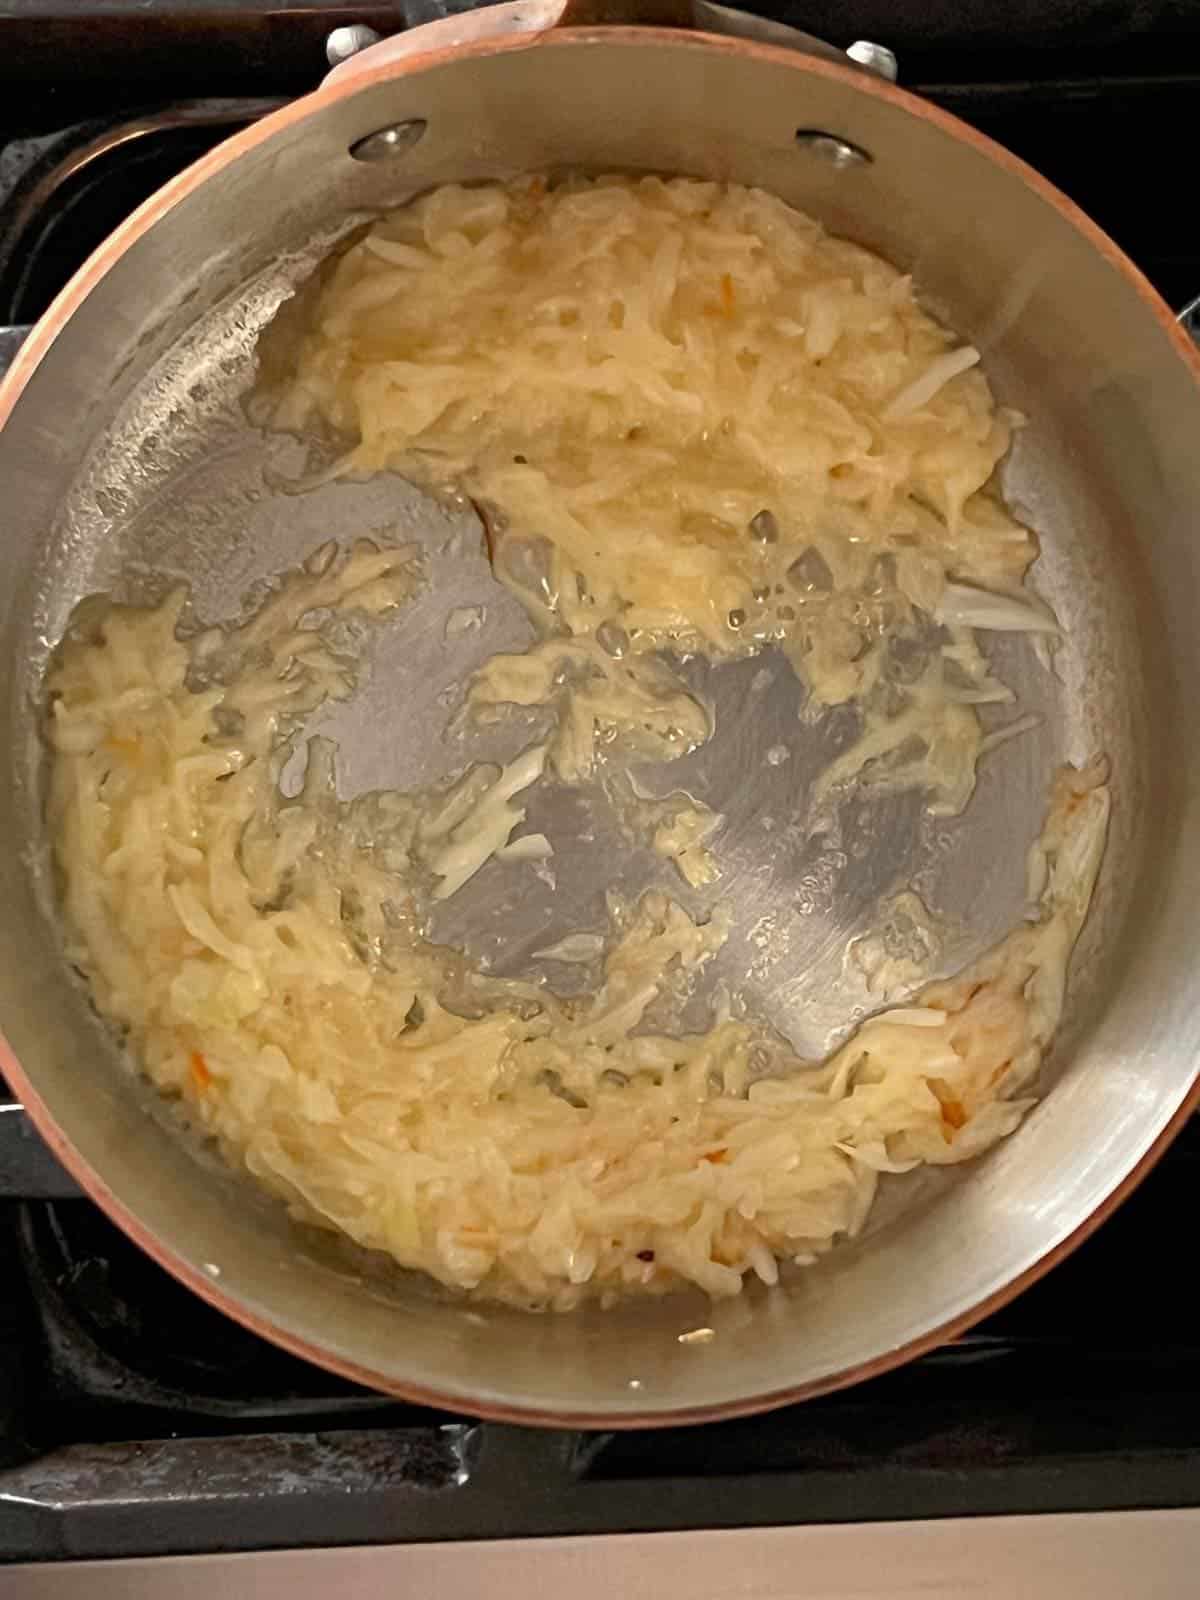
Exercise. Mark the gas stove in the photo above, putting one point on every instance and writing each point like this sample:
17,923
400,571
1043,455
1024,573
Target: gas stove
137,1422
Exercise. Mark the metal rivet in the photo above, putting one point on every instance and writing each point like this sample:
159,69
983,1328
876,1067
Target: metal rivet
877,58
343,43
839,153
385,143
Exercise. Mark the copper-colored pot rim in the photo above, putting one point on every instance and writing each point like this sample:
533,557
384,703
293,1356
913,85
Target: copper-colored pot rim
72,297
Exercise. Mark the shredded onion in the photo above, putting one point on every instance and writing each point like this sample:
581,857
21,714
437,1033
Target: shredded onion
969,607
263,959
725,427
936,376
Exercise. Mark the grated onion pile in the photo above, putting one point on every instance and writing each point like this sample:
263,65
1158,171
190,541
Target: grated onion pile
693,422
718,426
262,957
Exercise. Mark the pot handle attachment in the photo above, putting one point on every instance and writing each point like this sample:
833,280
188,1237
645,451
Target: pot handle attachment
357,49
1189,320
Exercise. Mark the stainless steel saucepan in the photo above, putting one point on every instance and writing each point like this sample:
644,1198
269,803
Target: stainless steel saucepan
125,456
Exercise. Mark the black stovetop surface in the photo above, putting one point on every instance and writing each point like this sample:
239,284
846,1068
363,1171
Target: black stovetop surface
135,1420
